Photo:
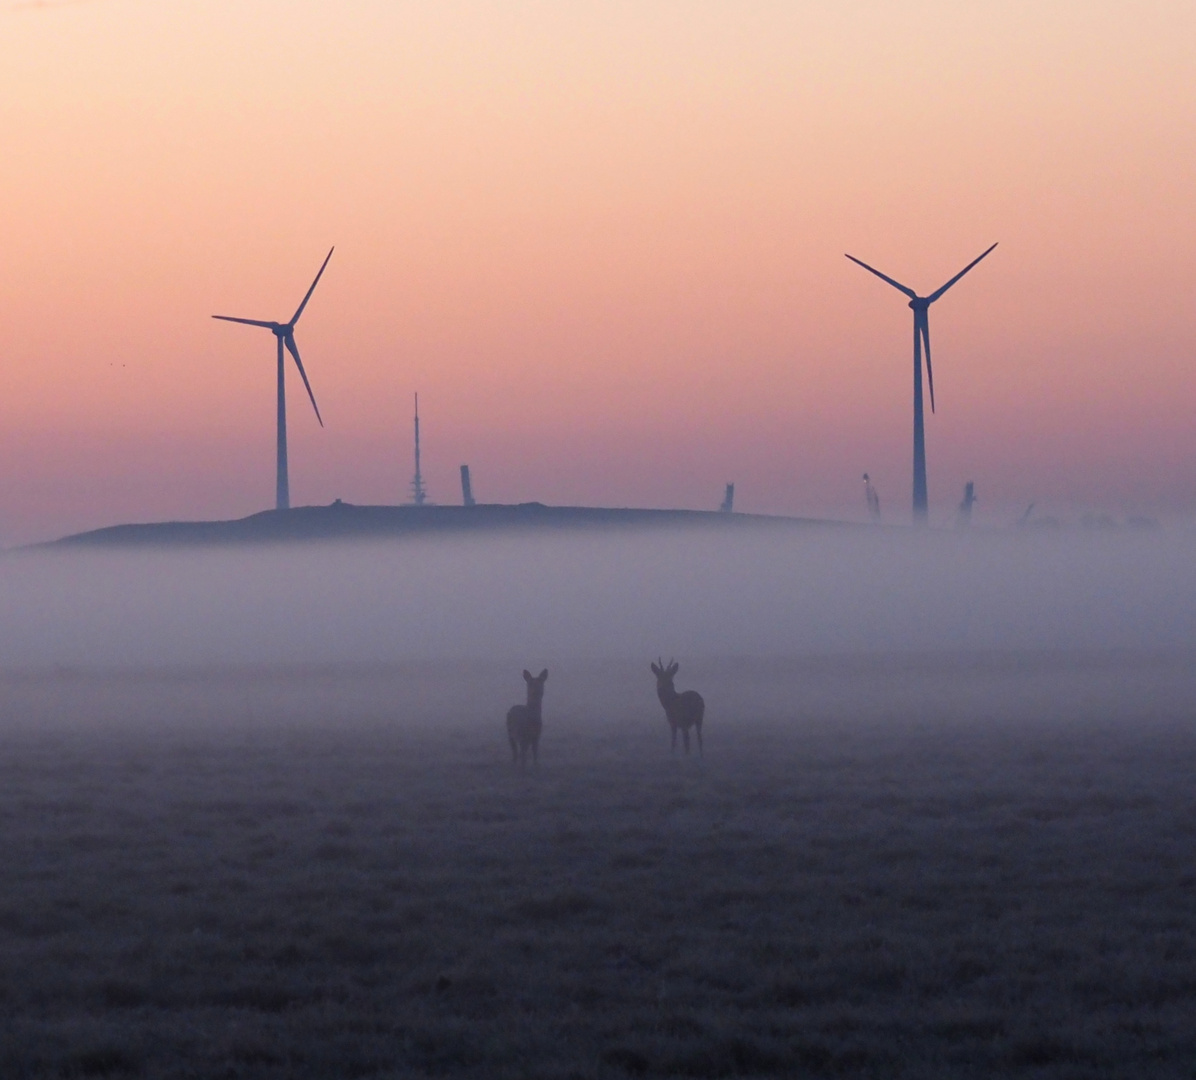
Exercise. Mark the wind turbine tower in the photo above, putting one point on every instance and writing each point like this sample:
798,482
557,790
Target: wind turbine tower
920,306
419,495
285,334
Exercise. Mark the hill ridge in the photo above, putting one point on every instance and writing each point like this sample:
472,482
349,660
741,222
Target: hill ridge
342,520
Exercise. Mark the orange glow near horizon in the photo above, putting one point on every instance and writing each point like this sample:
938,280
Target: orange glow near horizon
604,241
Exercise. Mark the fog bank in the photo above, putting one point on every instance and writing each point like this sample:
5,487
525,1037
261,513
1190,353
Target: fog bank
620,594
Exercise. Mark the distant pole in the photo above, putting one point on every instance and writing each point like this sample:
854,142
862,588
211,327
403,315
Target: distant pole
728,500
872,499
964,517
466,489
418,495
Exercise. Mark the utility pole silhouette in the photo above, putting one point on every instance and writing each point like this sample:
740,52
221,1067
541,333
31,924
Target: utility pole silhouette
963,518
872,499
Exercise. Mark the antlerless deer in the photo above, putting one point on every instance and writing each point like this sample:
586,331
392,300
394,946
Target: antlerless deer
524,722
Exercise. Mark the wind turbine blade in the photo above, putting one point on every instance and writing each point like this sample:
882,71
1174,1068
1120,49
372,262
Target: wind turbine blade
289,341
247,322
884,277
939,292
299,310
929,369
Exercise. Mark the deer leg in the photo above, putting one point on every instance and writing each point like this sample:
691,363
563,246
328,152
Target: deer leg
698,730
673,745
535,751
514,751
685,736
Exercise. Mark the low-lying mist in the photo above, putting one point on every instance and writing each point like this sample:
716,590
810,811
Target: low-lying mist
539,598
261,817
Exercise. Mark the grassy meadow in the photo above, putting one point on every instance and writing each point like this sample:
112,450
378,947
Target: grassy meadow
888,867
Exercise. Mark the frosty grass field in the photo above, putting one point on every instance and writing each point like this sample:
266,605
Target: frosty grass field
930,866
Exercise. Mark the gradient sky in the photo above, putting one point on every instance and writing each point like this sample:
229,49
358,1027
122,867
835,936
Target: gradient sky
604,240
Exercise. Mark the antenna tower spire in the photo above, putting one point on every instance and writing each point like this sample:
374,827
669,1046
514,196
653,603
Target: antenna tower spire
419,495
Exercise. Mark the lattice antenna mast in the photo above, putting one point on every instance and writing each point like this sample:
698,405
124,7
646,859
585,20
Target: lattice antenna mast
419,495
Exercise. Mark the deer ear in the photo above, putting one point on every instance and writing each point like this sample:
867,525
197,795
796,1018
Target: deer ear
544,675
527,675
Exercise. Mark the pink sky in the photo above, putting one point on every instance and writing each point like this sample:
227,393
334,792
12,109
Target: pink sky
604,241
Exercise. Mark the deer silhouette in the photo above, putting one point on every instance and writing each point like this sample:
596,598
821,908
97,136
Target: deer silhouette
683,711
524,723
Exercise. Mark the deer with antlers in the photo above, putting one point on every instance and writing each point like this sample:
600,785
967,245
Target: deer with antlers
683,711
524,722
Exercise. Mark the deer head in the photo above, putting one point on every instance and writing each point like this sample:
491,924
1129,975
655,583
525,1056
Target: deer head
664,673
535,685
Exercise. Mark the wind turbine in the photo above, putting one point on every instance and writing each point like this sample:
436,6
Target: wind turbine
285,333
920,306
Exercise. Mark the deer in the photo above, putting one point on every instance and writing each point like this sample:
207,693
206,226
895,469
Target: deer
524,722
683,711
